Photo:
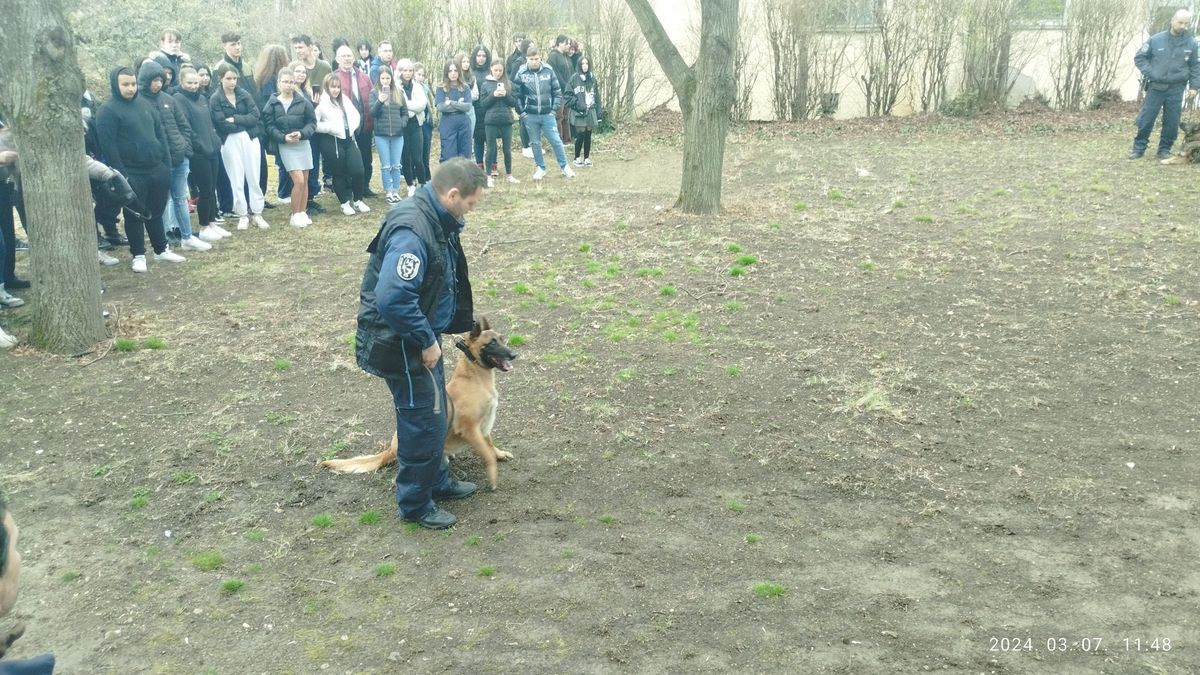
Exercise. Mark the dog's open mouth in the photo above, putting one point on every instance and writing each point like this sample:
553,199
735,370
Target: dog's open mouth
503,365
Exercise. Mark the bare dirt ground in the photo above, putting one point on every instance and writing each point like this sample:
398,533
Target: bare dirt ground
923,398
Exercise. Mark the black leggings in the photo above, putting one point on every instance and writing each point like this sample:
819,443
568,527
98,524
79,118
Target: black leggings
583,141
204,173
410,156
504,133
345,166
364,141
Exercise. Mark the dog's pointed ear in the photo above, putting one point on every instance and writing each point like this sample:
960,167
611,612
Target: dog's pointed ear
483,323
476,330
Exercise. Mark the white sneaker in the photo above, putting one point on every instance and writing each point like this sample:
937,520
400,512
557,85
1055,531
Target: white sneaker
347,209
512,179
587,162
194,243
307,220
578,162
169,256
208,235
527,152
539,174
9,301
220,230
361,207
491,182
139,263
284,200
567,172
258,221
106,259
243,223
7,341
297,220
412,190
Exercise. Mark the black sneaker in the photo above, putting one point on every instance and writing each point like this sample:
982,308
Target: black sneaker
103,244
1163,154
16,283
1136,155
118,240
268,205
459,489
436,518
314,207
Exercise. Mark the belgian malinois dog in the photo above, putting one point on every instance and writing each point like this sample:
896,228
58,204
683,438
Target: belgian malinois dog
471,412
1190,154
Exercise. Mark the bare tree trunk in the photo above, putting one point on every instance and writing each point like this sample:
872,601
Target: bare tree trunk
706,96
40,92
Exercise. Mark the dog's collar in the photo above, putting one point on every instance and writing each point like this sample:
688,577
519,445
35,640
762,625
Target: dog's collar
462,344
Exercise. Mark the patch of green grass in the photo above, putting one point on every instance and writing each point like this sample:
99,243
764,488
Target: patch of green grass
279,419
369,518
900,275
231,586
736,271
522,288
1100,188
767,589
734,505
384,570
517,340
322,520
1000,192
773,226
213,496
208,561
141,497
587,283
585,247
733,371
607,518
102,470
254,568
621,226
256,534
627,374
867,265
349,341
498,537
734,248
799,206
125,344
746,260
898,203
836,194
671,335
412,528
152,551
281,365
155,343
752,538
566,554
70,576
612,270
650,272
923,218
668,291
472,540
734,306
487,571
1173,300
184,478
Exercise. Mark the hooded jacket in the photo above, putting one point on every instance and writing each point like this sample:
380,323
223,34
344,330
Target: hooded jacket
245,113
205,141
130,133
174,121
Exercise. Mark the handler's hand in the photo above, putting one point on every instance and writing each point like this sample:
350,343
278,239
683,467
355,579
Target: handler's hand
431,355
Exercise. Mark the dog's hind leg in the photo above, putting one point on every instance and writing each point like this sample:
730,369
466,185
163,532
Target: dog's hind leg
364,463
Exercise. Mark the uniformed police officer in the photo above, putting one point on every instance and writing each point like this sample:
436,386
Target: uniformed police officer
414,289
1169,65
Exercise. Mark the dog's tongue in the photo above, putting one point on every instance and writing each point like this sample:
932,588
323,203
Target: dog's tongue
504,365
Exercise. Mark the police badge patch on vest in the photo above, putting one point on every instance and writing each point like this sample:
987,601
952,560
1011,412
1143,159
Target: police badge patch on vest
408,266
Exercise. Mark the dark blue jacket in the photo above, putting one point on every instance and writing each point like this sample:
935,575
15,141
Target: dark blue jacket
1167,61
538,91
415,286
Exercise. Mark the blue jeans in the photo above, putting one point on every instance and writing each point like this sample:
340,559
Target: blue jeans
391,152
176,216
1170,102
421,432
537,125
455,131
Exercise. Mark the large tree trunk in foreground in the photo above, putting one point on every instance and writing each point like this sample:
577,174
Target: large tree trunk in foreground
706,95
40,90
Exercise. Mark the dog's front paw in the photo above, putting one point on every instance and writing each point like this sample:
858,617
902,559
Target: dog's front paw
502,455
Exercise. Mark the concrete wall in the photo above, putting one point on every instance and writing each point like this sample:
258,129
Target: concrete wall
681,19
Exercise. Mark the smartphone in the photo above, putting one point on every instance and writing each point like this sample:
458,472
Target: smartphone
387,90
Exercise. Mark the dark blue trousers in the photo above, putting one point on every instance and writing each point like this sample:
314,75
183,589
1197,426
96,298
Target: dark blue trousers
1170,102
421,435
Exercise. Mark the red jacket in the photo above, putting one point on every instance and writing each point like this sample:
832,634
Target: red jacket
363,101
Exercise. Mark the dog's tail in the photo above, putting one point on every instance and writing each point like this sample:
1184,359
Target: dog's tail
364,463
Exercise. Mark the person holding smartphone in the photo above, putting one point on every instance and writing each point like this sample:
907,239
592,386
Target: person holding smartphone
391,117
498,103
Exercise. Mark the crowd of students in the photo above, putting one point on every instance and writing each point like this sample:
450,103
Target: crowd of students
183,137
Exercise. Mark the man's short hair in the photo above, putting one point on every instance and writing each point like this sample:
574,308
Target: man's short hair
517,37
532,51
560,39
303,39
171,32
460,173
385,42
227,38
3,537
